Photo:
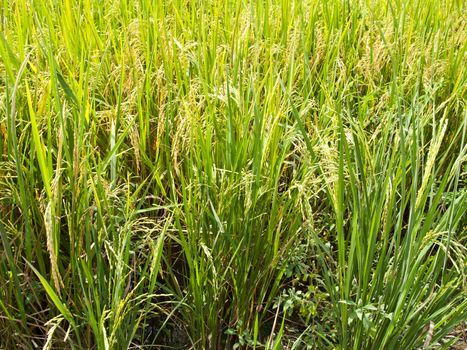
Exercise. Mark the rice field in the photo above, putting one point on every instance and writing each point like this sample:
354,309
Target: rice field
219,174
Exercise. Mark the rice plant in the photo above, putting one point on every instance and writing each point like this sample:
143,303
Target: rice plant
233,174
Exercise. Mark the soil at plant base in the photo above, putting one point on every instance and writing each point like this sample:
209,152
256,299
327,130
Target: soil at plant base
460,332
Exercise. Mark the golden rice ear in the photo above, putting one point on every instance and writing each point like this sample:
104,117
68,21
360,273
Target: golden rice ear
51,247
52,326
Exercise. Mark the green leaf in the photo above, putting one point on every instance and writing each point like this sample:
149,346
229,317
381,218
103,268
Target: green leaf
66,88
53,296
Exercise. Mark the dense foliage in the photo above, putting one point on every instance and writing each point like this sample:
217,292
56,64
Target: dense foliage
232,174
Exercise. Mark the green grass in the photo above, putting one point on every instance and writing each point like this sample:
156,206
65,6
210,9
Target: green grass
232,174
